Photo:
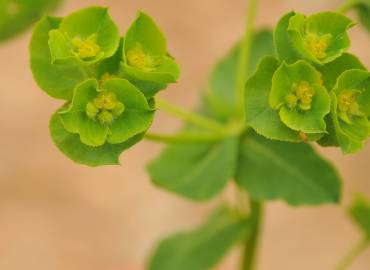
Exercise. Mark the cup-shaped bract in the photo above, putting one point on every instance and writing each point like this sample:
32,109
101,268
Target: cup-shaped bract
84,37
297,93
145,55
112,112
321,37
350,109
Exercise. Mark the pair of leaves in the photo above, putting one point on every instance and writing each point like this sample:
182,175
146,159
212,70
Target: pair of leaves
18,15
203,247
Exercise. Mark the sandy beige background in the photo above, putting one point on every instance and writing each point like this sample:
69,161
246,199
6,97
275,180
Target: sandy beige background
55,215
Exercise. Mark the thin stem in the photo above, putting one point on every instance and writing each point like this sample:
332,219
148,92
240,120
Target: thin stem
252,243
184,137
353,254
244,56
190,117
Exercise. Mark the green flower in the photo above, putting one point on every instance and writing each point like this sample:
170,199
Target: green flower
84,37
297,93
351,109
321,37
113,112
145,54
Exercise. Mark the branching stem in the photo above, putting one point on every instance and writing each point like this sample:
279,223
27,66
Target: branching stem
189,117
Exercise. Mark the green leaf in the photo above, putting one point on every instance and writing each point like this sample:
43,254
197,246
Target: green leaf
220,95
70,145
259,115
359,211
197,171
57,81
92,104
203,247
145,54
310,101
18,15
271,170
285,49
352,127
321,37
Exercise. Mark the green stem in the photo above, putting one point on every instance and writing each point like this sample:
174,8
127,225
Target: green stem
244,56
252,243
353,254
184,137
189,117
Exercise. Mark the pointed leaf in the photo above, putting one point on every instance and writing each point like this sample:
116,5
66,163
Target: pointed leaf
203,247
271,170
197,171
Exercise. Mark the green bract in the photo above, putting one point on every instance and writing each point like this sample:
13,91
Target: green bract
351,109
321,37
85,37
286,102
145,54
71,145
299,97
113,112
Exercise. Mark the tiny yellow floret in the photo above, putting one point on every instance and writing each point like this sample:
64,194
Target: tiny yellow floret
302,96
105,107
106,76
87,48
318,45
105,118
91,110
136,57
348,106
106,101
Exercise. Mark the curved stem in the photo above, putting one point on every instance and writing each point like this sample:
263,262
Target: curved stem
353,254
252,243
190,117
184,137
244,56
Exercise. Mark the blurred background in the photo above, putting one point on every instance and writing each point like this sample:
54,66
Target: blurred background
55,215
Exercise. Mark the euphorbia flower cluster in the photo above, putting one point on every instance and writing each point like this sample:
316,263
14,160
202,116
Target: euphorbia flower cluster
108,82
